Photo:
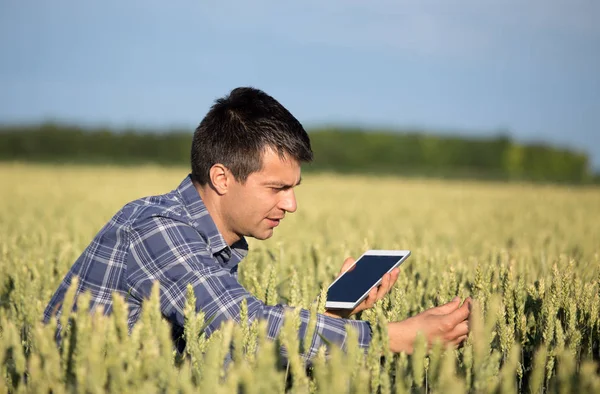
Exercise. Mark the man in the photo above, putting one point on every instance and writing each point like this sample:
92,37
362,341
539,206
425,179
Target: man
245,163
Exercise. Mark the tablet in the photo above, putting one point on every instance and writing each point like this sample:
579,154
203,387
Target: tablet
353,286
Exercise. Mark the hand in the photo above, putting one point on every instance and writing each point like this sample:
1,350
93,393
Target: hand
376,293
448,322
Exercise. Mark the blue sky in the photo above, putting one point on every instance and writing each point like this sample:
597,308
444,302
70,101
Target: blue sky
472,66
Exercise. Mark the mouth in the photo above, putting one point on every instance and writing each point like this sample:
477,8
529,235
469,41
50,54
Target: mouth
274,222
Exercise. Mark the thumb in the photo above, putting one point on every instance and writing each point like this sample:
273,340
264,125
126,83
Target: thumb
462,313
347,264
448,307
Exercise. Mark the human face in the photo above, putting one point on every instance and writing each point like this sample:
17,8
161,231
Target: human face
256,207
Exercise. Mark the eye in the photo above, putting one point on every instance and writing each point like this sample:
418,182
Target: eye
279,189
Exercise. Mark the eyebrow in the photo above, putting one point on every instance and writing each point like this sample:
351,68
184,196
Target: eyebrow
280,184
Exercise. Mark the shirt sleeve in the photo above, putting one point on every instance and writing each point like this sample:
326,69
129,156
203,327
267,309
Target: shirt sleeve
174,254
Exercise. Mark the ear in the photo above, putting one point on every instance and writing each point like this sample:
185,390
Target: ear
220,178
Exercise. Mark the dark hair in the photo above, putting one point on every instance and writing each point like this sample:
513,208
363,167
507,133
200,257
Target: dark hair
239,128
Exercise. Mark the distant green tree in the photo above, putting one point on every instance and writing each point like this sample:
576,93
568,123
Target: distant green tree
340,150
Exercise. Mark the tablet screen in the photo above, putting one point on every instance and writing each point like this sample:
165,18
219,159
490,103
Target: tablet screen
364,274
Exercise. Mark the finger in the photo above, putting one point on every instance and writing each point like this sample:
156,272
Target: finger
469,301
395,274
447,308
338,313
460,314
459,330
459,340
384,286
370,300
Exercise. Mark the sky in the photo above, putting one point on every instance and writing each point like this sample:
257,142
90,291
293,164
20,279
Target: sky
474,67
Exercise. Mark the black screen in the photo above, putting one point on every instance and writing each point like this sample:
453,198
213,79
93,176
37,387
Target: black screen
364,274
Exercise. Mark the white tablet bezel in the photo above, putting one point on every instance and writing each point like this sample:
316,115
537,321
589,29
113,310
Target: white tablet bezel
372,252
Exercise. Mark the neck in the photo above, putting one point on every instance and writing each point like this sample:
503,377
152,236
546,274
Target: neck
212,201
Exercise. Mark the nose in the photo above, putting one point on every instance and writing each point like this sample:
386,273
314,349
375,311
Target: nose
288,201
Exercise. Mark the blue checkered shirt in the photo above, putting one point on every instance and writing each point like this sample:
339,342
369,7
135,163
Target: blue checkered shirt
172,239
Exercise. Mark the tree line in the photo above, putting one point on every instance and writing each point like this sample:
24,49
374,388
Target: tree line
343,150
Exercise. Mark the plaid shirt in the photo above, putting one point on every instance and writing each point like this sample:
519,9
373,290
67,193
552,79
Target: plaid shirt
172,239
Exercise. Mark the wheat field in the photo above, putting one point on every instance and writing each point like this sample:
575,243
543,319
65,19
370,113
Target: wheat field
529,255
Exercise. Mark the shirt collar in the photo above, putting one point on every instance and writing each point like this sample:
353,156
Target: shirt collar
203,222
